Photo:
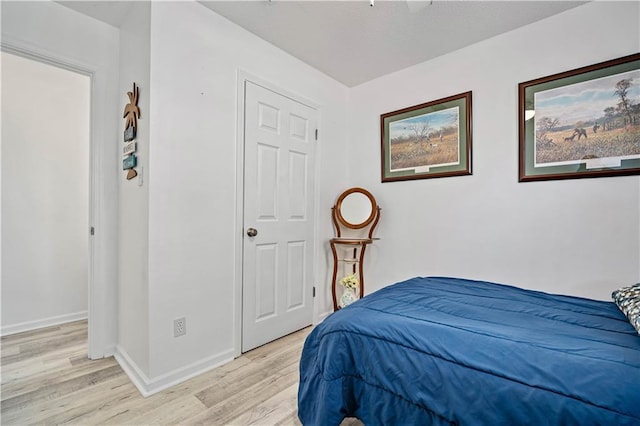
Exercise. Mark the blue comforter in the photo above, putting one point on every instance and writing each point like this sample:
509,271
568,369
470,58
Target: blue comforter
445,350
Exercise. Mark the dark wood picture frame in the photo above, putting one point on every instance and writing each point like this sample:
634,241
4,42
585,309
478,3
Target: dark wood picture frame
429,140
582,123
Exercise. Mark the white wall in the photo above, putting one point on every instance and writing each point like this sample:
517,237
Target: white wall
195,58
45,177
577,237
49,30
133,235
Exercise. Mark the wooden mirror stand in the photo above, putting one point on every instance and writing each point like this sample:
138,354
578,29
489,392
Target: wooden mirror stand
355,217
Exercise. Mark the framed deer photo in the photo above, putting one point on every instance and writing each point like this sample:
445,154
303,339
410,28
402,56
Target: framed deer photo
429,140
581,123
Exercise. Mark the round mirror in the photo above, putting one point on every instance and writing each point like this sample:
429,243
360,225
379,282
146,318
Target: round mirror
356,208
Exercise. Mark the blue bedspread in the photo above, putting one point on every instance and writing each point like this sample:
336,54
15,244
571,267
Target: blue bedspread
445,350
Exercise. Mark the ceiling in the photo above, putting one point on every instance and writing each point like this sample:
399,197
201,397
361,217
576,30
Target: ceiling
354,42
110,12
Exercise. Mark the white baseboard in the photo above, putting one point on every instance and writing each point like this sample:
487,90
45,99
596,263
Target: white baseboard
109,351
148,387
41,323
322,316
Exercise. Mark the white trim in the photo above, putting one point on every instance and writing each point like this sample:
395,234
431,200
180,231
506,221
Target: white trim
41,323
26,50
239,217
109,351
97,255
247,76
317,282
242,77
322,317
148,387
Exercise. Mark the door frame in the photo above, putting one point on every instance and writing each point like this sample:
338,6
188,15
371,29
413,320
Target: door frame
97,326
242,78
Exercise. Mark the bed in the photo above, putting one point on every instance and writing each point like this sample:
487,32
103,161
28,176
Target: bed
438,350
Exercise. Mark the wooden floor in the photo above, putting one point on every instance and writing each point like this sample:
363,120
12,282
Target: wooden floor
47,379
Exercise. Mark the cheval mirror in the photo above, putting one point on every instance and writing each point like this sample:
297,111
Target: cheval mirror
355,216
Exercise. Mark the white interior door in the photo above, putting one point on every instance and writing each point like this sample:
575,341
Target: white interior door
279,198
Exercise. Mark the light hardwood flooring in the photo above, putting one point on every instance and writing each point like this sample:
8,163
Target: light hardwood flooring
47,379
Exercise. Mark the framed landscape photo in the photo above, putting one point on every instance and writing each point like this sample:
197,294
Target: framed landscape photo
429,140
581,123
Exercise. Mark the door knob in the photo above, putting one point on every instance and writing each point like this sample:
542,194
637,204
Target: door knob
252,232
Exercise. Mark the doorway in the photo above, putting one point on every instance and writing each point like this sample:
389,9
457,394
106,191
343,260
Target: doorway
278,214
45,193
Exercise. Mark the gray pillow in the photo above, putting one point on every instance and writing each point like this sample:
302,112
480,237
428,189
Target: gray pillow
628,300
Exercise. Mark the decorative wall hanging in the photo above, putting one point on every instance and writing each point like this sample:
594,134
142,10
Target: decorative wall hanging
129,162
131,116
581,123
131,173
428,140
129,148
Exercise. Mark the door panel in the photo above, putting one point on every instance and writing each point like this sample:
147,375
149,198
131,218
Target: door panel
265,282
295,274
297,186
267,181
278,203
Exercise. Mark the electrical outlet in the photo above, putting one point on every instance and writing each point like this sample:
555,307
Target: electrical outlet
179,327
